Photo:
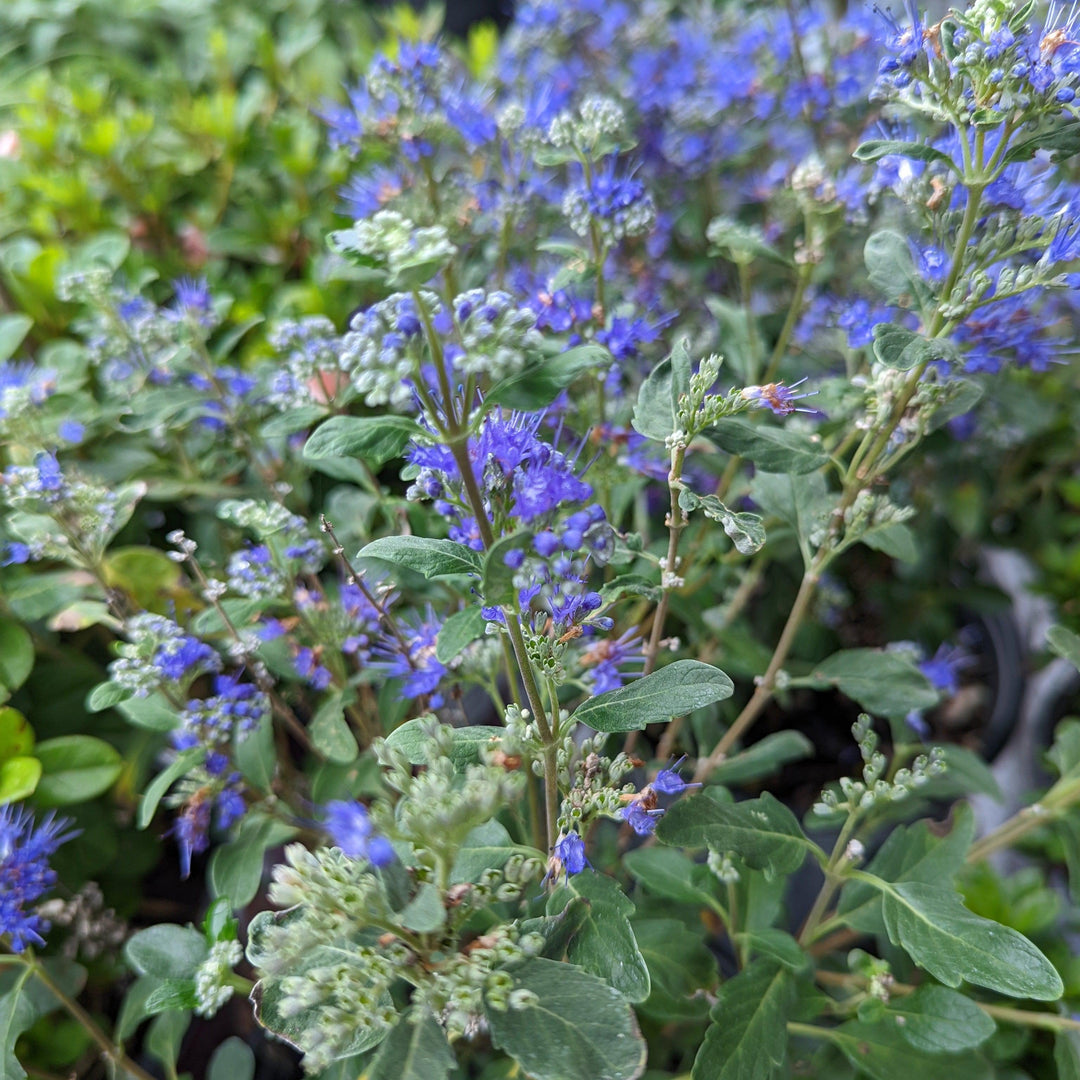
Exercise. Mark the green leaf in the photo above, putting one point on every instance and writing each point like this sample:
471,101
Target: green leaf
604,944
236,868
425,912
965,774
1064,755
256,756
557,930
630,585
669,873
654,416
410,739
931,924
762,832
487,847
19,777
16,734
232,1060
179,766
910,853
740,243
292,421
460,629
895,539
748,1037
1065,643
133,1007
171,994
941,1021
579,1029
1067,1055
883,683
746,531
422,555
903,349
890,265
779,946
540,384
330,734
802,501
681,370
498,586
373,439
105,695
153,712
674,690
166,951
75,768
16,654
415,1050
1061,140
24,999
875,149
773,449
13,328
164,1036
881,1052
680,968
768,756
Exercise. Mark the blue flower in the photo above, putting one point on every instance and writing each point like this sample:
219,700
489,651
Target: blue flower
349,828
570,851
25,874
642,820
669,782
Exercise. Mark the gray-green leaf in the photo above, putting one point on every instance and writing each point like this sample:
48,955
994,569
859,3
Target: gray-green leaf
773,449
415,1050
883,683
422,554
672,691
579,1028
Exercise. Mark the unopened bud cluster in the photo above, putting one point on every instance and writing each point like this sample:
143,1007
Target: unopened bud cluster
873,789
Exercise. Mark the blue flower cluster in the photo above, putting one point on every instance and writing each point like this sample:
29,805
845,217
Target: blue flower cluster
159,651
25,874
234,710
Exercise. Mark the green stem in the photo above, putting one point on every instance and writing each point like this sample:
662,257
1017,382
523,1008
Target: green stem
109,1049
802,281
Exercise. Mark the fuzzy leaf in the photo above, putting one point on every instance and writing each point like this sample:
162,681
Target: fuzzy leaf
460,629
674,690
540,384
415,1050
423,555
773,449
883,683
745,530
579,1029
653,414
166,951
411,740
876,149
373,439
